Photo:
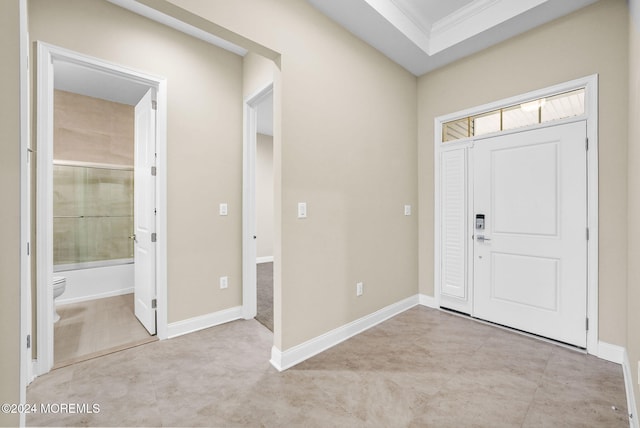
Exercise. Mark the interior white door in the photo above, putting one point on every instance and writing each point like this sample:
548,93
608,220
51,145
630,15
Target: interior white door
144,213
530,261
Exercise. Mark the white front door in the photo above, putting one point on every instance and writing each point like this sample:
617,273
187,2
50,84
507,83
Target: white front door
144,213
530,260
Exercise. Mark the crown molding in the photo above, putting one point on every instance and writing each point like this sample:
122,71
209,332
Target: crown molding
176,24
403,23
460,25
473,19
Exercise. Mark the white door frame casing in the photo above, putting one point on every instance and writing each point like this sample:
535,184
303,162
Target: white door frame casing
249,276
45,71
26,161
590,84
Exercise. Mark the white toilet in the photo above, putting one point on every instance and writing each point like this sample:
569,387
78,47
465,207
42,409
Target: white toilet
59,284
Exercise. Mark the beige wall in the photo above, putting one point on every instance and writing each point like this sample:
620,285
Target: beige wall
92,130
10,208
348,149
257,73
264,195
633,298
204,138
592,40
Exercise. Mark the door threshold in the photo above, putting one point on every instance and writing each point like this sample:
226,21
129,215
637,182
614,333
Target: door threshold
515,330
104,352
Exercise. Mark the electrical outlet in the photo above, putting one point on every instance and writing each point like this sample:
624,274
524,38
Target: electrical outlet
224,281
359,289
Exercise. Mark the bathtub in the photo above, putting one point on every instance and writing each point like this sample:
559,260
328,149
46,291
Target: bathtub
89,281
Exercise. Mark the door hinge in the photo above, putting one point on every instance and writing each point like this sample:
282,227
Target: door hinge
154,171
587,324
28,341
586,143
587,233
154,105
154,303
28,248
154,237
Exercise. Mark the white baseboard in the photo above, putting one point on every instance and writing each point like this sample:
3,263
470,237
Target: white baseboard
95,296
631,396
428,301
609,352
265,259
201,322
283,360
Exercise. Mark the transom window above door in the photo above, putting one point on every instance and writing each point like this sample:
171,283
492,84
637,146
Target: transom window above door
539,110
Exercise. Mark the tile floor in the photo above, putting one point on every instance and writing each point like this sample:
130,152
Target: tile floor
421,368
96,327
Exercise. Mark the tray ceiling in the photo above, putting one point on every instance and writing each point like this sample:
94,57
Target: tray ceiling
422,35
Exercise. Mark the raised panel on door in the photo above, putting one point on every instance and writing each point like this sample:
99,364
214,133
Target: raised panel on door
530,281
524,199
530,270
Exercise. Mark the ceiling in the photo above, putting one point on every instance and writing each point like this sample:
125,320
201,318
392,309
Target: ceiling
81,80
422,35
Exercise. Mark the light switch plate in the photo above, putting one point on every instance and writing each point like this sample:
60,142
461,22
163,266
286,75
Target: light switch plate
359,289
224,282
224,209
407,210
302,210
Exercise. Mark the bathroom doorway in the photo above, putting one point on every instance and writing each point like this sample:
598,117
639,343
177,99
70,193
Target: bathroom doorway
93,157
94,178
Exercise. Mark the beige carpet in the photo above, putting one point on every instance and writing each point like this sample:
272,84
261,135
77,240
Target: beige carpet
264,313
96,327
422,368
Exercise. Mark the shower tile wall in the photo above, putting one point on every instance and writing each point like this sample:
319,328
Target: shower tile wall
93,207
92,130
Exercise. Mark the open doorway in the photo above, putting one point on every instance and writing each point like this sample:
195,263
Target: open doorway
93,220
258,208
97,208
264,211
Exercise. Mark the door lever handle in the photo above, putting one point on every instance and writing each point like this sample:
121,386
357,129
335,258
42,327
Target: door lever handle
481,238
133,237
